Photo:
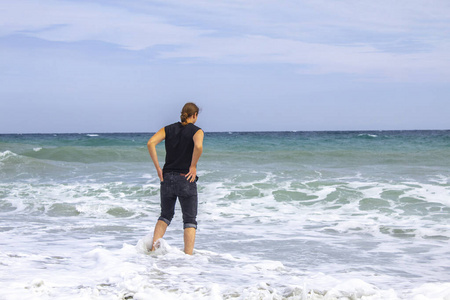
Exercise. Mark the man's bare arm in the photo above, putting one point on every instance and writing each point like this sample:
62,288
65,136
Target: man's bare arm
151,145
198,150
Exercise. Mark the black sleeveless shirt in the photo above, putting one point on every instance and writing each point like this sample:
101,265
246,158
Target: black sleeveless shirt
179,147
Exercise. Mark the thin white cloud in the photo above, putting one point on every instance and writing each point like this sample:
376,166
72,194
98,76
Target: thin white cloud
71,22
317,58
394,39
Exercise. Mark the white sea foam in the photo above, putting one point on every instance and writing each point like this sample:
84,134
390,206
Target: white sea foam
429,193
440,179
127,273
434,291
7,154
368,135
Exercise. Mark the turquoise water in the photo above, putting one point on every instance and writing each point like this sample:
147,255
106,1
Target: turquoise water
282,215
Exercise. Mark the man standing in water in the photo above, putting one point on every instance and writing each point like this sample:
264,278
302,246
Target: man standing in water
184,146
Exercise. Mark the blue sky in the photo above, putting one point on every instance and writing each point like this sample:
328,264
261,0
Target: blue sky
129,66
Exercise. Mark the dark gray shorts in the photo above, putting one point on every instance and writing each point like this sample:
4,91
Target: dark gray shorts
175,185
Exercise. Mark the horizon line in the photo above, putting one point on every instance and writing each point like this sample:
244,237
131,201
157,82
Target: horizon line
225,131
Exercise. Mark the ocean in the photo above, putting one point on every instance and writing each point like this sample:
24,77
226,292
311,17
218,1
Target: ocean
282,215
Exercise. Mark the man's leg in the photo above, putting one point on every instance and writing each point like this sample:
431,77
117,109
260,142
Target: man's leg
189,240
160,230
189,202
189,209
168,200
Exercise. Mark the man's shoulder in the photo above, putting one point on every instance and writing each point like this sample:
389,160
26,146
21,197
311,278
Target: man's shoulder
191,127
174,126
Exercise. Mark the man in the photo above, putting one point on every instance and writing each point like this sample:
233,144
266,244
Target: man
184,146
